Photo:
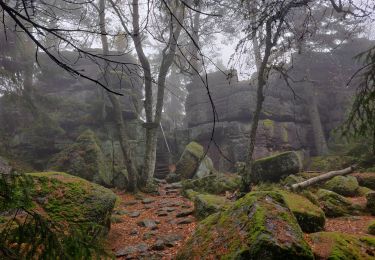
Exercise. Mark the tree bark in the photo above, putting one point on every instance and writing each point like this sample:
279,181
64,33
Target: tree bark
117,113
322,177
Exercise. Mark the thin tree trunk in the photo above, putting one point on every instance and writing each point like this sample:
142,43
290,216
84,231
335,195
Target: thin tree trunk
321,178
316,123
262,76
117,113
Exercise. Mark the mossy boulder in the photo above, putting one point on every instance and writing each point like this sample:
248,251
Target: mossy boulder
84,159
362,191
190,159
207,204
343,185
329,163
292,179
371,228
366,179
258,226
215,184
69,199
336,245
333,204
309,216
274,168
370,205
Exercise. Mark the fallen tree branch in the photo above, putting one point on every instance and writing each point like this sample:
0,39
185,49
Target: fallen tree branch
323,177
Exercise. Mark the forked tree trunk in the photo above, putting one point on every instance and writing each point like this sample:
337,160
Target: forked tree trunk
117,112
322,177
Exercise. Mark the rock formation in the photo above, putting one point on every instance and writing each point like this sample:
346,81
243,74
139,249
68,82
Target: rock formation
296,116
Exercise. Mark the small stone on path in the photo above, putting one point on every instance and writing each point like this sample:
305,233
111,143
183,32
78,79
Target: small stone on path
129,250
148,200
134,214
148,223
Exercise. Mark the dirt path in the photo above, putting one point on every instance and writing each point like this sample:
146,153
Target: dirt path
151,227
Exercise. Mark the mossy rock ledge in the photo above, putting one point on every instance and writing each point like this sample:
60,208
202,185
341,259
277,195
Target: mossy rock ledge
343,185
214,184
310,217
258,226
370,205
333,204
207,204
336,246
72,200
274,168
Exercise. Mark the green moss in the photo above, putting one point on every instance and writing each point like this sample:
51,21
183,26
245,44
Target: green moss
66,198
342,246
310,217
343,185
252,228
330,163
270,125
207,204
284,134
333,204
371,228
195,149
215,184
362,191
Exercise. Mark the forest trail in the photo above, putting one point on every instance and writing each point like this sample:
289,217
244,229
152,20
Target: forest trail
148,226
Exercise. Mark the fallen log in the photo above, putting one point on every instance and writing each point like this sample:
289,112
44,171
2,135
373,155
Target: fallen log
323,177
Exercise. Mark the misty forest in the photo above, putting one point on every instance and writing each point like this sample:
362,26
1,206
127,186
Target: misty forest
187,129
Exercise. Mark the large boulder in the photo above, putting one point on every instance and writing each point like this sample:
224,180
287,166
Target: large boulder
336,245
207,204
343,185
366,179
258,226
215,184
333,204
190,159
309,216
84,159
73,201
274,168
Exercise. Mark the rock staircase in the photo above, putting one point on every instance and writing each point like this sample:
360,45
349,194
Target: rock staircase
162,164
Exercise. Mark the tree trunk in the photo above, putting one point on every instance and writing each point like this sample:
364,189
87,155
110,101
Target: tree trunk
117,113
322,177
312,108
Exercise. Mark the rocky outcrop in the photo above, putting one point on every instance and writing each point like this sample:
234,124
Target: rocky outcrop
258,226
294,117
207,204
274,168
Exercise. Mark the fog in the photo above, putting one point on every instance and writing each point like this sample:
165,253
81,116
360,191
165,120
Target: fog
187,129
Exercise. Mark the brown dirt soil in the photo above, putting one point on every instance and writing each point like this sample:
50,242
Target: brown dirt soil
120,234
